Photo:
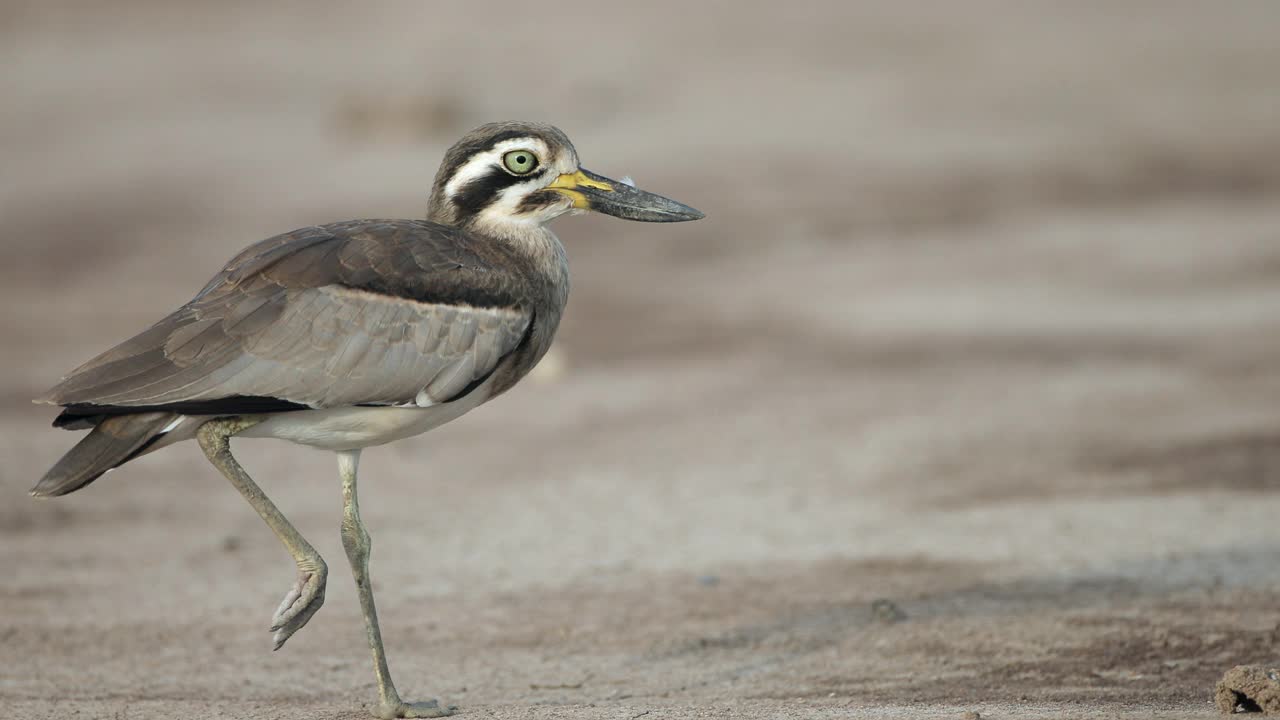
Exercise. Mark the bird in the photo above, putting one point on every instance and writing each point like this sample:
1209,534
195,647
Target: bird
351,335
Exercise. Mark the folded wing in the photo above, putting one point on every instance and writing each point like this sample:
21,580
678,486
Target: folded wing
327,317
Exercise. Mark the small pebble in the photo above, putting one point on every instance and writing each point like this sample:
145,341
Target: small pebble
886,611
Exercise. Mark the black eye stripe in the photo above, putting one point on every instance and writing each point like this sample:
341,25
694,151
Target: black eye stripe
481,192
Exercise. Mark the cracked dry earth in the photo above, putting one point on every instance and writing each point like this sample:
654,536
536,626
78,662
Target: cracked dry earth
962,398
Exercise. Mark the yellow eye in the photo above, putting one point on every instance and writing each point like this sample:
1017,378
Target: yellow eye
520,162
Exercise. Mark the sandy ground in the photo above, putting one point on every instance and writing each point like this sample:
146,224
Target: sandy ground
962,398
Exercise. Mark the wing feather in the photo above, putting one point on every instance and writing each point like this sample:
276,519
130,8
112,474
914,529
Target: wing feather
379,312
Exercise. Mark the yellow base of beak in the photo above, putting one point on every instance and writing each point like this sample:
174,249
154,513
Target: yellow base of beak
568,183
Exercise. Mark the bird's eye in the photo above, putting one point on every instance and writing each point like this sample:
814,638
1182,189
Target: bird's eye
520,162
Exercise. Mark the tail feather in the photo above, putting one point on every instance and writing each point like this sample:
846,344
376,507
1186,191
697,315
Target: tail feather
111,443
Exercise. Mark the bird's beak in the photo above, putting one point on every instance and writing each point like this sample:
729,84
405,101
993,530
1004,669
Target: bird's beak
590,191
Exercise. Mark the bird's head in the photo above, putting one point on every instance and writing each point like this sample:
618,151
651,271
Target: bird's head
504,178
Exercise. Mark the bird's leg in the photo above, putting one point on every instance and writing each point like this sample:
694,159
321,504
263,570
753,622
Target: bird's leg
356,542
307,594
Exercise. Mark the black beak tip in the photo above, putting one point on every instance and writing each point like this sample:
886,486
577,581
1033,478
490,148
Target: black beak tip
626,201
672,211
668,214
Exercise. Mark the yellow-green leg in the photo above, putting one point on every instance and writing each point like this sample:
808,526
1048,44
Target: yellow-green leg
307,594
356,542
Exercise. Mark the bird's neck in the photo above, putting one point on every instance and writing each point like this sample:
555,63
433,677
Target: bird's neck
542,259
439,209
544,253
538,248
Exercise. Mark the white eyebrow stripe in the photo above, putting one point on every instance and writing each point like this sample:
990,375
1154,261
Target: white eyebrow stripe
479,165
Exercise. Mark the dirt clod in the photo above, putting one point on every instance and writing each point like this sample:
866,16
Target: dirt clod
887,611
1249,688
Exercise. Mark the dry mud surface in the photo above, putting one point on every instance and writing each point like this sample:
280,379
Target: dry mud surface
964,397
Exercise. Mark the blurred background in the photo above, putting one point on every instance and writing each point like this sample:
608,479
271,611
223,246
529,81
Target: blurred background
963,396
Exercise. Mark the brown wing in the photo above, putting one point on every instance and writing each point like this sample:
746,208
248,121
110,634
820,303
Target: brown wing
367,312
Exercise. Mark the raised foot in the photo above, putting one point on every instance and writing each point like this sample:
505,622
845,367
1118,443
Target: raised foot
300,604
428,709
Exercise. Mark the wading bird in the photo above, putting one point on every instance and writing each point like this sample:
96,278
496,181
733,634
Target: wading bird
350,335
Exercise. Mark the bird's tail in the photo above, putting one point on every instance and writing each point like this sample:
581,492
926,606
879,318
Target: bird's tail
114,441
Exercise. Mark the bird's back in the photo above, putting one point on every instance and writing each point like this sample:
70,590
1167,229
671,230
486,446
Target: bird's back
362,312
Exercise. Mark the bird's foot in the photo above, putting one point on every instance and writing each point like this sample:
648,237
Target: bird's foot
401,709
300,604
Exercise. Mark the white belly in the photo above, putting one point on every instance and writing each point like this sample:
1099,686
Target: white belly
350,428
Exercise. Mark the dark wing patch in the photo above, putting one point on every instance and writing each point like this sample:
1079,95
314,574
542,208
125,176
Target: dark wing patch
81,416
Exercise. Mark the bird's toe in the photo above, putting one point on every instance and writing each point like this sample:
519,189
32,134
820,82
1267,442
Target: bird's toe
302,601
424,709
